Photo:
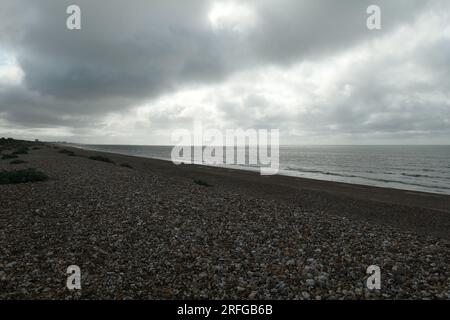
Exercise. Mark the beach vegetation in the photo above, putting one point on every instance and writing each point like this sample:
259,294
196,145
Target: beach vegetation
21,150
68,152
101,158
202,183
22,176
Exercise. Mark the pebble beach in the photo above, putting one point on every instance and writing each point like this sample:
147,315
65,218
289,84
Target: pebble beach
150,230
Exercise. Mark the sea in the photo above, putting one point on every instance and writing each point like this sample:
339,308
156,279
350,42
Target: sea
415,168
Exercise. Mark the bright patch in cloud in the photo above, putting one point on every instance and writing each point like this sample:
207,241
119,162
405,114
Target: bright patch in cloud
230,15
10,71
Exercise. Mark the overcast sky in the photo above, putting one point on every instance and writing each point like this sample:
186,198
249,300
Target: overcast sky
139,69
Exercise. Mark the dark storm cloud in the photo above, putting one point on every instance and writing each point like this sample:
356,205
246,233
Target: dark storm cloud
123,49
129,53
146,47
292,29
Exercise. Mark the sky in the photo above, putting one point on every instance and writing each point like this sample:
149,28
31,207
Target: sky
140,69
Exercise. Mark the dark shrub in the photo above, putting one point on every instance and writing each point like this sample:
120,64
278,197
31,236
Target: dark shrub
22,150
9,156
18,161
126,165
101,158
36,148
68,152
202,183
22,176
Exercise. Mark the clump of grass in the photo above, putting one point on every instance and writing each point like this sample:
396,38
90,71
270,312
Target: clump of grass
36,148
21,150
9,156
202,183
68,152
18,161
101,158
126,165
22,176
